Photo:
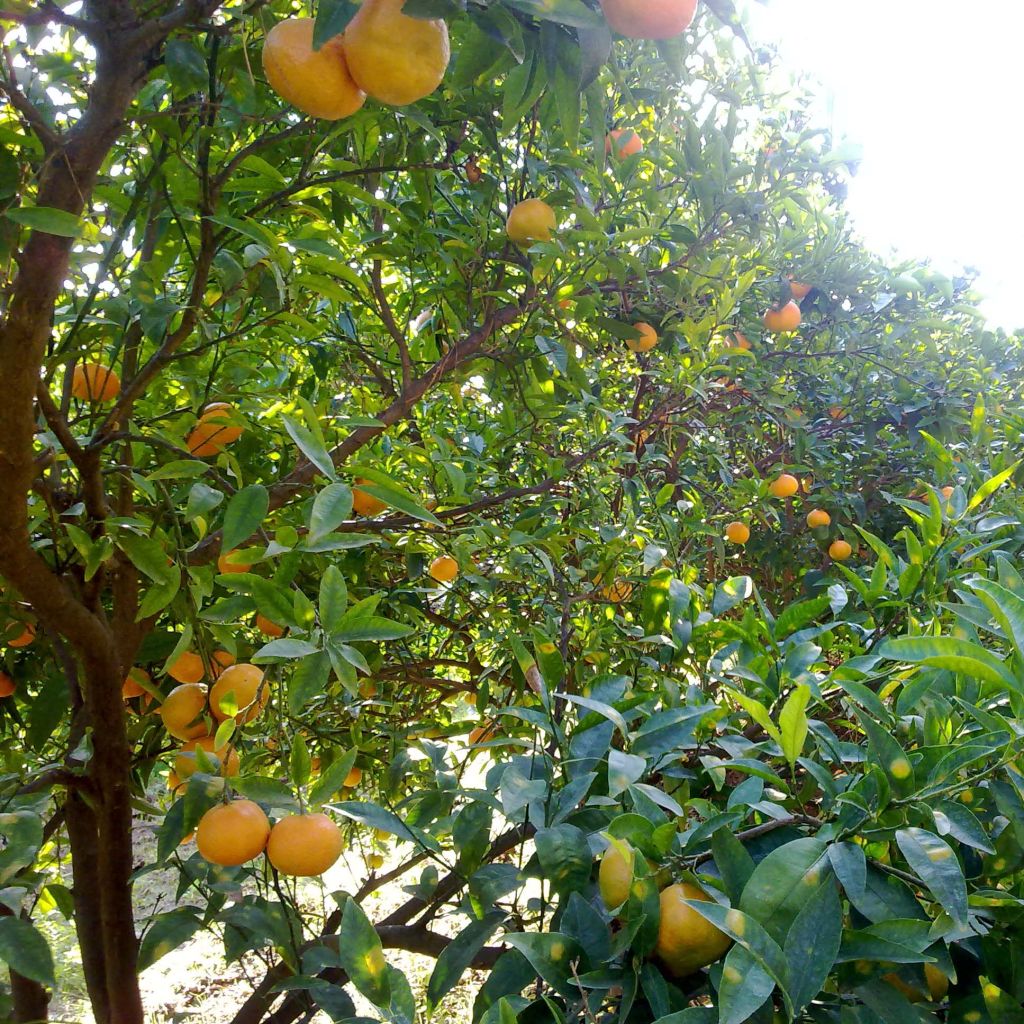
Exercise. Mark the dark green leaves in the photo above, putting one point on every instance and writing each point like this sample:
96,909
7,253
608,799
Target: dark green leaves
362,956
25,950
458,955
935,862
245,513
166,934
332,506
564,856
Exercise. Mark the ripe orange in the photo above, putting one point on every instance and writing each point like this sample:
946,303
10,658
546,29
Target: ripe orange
25,637
617,592
317,82
268,628
186,763
94,382
781,319
646,339
784,486
182,711
231,562
649,19
219,661
799,291
174,784
304,844
223,417
623,142
531,221
245,683
367,689
187,668
818,517
206,439
839,551
6,685
354,777
482,733
366,504
444,568
737,533
133,683
615,876
739,341
687,941
231,834
393,57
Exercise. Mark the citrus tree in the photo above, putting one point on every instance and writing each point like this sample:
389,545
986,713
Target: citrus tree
471,430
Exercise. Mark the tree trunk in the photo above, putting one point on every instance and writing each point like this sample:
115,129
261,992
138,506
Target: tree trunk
31,1001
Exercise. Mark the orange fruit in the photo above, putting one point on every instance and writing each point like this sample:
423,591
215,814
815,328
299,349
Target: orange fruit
739,341
818,517
799,291
779,319
268,628
375,860
354,777
25,637
946,492
317,82
784,486
367,689
245,683
133,683
737,533
645,340
393,57
531,221
231,834
219,661
187,668
222,416
6,685
444,568
623,142
94,382
206,439
482,733
304,845
687,941
617,592
231,562
839,551
186,763
182,711
615,876
649,19
836,412
174,784
366,504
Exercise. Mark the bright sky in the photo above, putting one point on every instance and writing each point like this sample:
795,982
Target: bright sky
933,90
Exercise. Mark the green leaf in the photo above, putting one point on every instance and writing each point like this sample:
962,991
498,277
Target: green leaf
936,864
25,950
962,656
793,723
890,756
757,711
456,957
166,933
311,446
733,861
308,680
245,513
744,988
783,882
732,592
370,627
550,954
377,817
331,507
812,945
285,648
333,599
1006,607
46,219
332,778
332,16
564,855
362,956
990,486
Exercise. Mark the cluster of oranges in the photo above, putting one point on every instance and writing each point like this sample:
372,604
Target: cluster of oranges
785,486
